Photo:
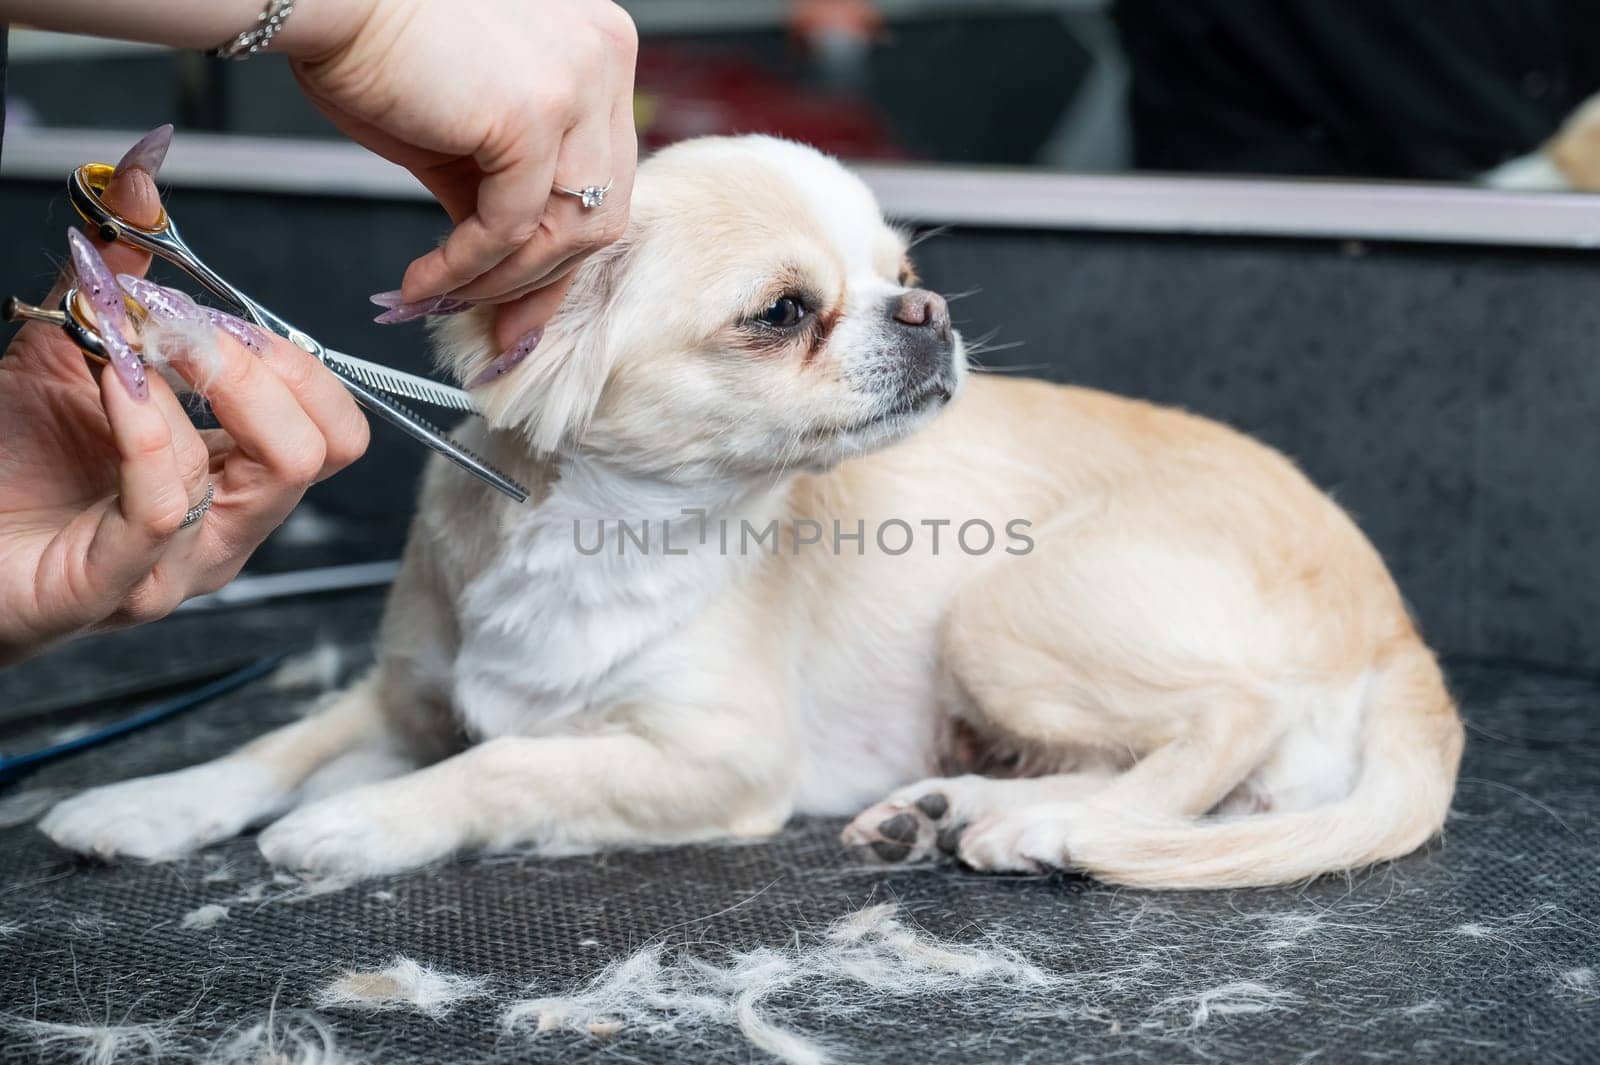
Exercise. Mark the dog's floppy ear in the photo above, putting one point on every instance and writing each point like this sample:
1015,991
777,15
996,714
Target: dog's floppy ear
550,395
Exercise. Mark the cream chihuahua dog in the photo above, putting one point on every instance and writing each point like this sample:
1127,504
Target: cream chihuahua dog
766,571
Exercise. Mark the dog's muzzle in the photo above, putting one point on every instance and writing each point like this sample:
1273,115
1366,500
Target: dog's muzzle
919,322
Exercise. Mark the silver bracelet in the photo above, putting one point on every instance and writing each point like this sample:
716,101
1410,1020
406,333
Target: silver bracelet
257,37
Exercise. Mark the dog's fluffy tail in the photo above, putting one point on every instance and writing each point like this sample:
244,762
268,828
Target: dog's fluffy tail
1410,750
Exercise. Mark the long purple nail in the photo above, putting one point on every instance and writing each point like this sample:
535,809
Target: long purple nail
123,360
399,311
510,358
95,281
249,334
163,303
149,153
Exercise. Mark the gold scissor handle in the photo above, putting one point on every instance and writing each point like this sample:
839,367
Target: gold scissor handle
76,320
85,190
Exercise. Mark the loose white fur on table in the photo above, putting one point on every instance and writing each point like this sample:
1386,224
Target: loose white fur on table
863,958
303,1039
1160,983
404,984
296,1039
90,1044
206,916
1579,982
1242,996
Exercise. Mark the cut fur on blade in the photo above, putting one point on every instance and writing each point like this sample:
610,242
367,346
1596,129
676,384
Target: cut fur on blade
195,342
870,952
402,985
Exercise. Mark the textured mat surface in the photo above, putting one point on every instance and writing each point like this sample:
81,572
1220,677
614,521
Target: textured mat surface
1483,948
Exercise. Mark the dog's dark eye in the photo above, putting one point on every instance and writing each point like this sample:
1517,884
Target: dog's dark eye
785,312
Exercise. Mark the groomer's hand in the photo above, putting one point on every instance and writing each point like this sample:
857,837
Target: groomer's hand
490,103
98,470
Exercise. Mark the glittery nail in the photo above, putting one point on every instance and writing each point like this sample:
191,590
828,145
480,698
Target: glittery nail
163,303
95,280
399,311
509,359
123,360
249,334
149,153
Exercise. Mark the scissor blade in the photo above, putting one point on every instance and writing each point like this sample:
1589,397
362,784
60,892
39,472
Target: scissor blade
419,429
399,383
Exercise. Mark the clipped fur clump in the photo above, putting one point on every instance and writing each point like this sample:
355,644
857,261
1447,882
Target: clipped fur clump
862,957
1580,983
303,1040
89,1044
1230,999
403,984
288,888
194,342
206,916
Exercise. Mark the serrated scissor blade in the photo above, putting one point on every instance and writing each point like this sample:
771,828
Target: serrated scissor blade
420,429
399,383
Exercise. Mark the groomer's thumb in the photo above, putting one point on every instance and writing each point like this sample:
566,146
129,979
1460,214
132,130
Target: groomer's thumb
132,193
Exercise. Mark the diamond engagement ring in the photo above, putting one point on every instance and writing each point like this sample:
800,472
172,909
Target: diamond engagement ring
590,196
198,511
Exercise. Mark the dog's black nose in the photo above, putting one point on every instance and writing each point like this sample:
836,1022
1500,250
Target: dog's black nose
922,309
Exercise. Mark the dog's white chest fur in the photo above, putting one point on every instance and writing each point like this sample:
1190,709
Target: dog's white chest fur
567,622
569,616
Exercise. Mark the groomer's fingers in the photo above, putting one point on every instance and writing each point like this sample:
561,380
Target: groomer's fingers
325,400
183,568
517,178
131,193
280,450
133,529
534,306
567,227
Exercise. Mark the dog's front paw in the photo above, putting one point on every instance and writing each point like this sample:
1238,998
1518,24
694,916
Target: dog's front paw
371,831
164,817
1029,840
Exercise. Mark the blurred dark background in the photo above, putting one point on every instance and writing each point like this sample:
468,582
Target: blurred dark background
1405,89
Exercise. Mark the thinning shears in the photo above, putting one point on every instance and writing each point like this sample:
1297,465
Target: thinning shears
373,384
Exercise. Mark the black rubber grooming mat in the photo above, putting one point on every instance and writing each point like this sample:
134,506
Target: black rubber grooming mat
1482,948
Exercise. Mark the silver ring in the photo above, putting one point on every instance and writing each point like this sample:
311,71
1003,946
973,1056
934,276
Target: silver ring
591,196
198,511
